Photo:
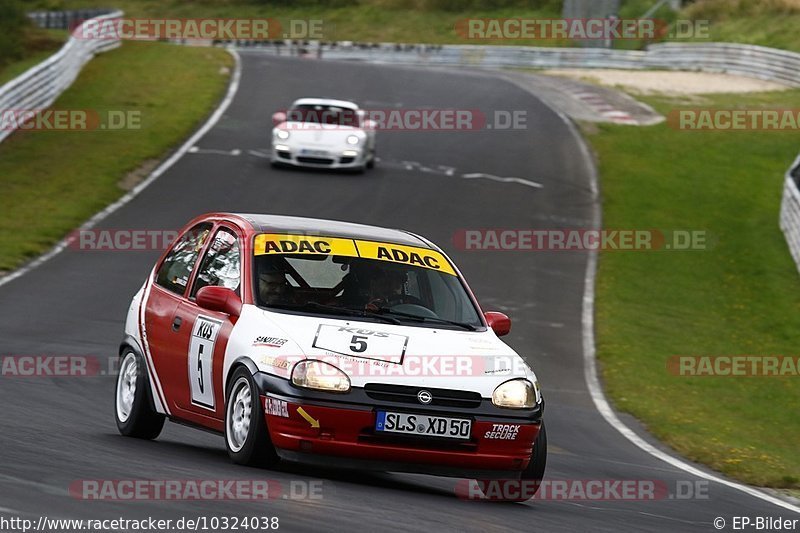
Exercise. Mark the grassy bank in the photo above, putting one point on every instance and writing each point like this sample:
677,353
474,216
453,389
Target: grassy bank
741,297
764,22
37,46
430,21
52,181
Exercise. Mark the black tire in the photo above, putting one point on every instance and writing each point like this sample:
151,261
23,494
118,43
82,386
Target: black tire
538,464
529,482
139,418
371,161
255,449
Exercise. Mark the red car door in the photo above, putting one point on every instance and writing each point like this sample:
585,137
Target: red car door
205,337
163,322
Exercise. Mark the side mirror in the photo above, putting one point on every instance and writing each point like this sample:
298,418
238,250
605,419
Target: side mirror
278,118
369,125
500,323
221,300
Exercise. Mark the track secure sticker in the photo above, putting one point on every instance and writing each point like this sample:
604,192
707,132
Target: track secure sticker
271,243
502,432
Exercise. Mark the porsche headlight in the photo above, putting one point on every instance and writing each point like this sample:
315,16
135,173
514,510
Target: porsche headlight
282,134
517,394
319,375
353,139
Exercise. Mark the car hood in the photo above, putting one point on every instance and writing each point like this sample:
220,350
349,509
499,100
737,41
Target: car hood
377,352
319,135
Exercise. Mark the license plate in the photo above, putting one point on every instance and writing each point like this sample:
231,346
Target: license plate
308,151
423,425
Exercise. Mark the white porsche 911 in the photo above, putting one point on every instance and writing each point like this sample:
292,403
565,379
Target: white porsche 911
323,133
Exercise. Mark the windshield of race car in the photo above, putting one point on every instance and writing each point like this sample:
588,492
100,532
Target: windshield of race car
323,114
375,281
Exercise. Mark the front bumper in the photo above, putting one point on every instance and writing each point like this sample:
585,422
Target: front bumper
334,159
346,425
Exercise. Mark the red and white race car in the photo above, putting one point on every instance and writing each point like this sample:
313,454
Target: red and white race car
327,342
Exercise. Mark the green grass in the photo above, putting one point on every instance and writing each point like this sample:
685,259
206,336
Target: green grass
740,297
369,20
39,45
764,22
52,181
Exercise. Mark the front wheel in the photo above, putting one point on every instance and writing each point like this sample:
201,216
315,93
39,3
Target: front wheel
535,471
133,405
530,481
246,435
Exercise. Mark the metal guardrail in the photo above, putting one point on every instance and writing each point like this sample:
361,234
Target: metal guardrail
39,87
790,210
749,60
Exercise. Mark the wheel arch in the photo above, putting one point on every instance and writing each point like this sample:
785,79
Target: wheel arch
242,360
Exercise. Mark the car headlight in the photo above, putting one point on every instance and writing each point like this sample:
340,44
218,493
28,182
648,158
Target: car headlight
353,139
319,375
517,394
282,134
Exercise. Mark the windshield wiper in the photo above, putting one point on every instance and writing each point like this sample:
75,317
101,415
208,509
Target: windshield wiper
420,318
348,311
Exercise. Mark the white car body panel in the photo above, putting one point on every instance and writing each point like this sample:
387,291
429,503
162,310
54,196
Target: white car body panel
433,357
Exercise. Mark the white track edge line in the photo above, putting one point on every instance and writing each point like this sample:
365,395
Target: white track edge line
590,359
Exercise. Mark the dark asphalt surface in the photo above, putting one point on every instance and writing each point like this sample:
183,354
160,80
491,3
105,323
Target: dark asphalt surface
54,431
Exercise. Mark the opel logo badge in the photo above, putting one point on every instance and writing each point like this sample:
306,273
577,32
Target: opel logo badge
424,397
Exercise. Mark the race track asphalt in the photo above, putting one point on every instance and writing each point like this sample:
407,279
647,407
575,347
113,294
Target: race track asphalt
54,431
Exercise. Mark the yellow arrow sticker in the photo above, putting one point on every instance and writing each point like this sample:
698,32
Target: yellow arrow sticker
310,419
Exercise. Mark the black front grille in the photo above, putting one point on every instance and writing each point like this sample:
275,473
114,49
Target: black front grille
284,155
406,394
315,160
346,160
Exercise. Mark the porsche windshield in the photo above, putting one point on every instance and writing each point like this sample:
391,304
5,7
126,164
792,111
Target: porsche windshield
374,289
323,114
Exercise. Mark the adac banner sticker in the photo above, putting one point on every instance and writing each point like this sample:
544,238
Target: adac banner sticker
273,243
